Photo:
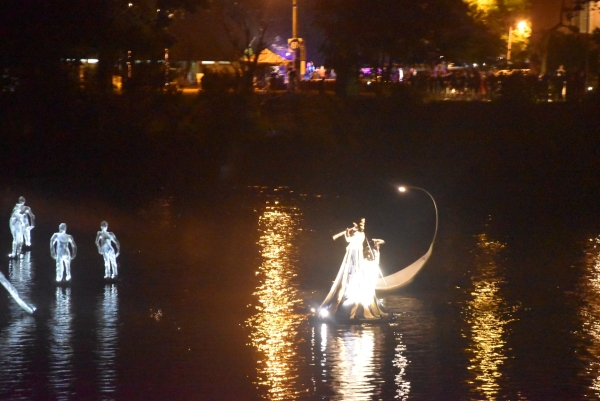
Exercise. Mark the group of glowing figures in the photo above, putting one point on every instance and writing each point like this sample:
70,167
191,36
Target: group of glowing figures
62,245
352,295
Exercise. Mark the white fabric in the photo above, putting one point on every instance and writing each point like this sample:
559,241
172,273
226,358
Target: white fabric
354,286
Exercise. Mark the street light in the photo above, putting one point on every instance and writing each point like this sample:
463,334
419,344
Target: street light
521,27
296,44
404,189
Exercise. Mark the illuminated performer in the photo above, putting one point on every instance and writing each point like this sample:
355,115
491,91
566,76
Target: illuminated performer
352,294
62,253
103,242
21,222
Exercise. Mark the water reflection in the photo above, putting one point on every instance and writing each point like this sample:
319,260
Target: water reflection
486,315
20,273
401,362
17,340
107,337
348,361
61,375
590,313
273,329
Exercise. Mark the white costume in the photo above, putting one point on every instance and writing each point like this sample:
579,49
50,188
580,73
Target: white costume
103,242
353,291
62,253
21,222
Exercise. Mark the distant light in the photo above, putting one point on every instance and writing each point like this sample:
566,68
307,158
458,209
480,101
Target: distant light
483,63
474,64
590,88
312,310
287,53
402,189
224,62
369,83
130,4
323,312
208,62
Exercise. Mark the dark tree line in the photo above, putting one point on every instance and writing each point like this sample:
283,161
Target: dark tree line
377,32
37,36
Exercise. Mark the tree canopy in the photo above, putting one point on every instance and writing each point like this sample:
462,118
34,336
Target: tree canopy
386,31
36,36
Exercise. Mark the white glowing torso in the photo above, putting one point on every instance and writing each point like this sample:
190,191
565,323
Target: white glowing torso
62,244
104,239
356,241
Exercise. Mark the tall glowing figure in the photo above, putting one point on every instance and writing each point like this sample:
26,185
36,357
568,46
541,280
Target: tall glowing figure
59,249
21,222
352,294
104,241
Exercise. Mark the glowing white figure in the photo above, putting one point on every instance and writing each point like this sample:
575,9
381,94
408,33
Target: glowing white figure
103,242
21,222
353,291
62,253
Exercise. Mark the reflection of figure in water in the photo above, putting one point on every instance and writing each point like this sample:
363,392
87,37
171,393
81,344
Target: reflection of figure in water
22,221
353,292
103,242
62,253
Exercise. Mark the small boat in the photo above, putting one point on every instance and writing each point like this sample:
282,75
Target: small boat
338,321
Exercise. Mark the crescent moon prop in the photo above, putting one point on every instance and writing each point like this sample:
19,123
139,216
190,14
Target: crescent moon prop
407,274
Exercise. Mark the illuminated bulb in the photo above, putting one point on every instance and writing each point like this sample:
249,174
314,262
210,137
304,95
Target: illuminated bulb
312,310
323,313
402,189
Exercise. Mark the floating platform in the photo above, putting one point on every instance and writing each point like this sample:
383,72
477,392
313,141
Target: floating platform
340,321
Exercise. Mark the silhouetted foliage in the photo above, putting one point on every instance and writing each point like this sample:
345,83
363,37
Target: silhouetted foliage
378,32
37,36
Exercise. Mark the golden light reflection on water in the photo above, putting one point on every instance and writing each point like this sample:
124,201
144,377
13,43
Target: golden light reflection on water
401,362
487,316
346,361
590,313
273,329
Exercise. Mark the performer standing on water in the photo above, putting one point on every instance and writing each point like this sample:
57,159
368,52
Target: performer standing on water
21,222
353,292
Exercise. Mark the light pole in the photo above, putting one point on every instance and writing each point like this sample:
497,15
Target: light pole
294,19
521,26
405,187
296,44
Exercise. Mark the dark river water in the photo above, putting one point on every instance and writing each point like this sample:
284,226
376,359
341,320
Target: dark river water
213,302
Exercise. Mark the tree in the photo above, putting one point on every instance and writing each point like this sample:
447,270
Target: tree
550,47
377,32
248,25
37,36
501,17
